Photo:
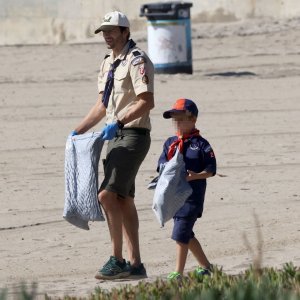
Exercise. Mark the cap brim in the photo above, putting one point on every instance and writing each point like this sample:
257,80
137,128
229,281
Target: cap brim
104,27
167,114
98,30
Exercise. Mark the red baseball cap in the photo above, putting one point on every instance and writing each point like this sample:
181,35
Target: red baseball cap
180,106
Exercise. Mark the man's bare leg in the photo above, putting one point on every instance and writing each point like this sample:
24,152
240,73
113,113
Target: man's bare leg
113,211
131,229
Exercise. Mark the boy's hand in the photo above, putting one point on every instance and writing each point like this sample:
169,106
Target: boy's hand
191,175
196,176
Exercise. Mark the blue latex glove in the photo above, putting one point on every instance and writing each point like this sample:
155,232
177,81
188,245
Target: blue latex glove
74,132
109,131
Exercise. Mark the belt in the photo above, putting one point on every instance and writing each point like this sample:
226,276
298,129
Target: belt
133,130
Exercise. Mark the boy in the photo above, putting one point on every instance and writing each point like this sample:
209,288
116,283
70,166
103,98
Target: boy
200,163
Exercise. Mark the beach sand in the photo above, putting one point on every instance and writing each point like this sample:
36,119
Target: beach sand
246,83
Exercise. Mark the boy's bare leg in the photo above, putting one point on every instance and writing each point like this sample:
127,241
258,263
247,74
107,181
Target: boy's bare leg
113,213
198,252
182,250
130,227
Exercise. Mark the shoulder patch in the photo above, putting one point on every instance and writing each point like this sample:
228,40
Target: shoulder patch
207,149
136,53
138,60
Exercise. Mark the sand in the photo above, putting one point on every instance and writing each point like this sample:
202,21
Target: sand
246,83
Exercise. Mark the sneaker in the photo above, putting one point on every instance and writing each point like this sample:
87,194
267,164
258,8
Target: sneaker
174,276
113,269
202,271
137,272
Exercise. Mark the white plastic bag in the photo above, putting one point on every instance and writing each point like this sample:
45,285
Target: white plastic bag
82,156
172,189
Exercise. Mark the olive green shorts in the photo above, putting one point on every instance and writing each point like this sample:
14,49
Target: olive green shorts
125,153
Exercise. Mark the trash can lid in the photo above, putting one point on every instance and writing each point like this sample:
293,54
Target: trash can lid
169,8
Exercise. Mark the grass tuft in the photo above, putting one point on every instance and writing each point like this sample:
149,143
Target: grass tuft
267,284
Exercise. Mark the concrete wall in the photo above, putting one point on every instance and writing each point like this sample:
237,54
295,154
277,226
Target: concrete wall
230,10
56,21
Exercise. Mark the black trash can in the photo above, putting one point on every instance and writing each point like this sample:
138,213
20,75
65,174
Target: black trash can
169,36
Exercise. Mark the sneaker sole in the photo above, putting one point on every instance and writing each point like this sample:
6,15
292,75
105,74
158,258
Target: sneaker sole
112,277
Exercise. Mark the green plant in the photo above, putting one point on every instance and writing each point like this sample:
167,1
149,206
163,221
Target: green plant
267,284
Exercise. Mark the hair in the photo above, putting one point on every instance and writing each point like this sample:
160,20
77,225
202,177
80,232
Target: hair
122,29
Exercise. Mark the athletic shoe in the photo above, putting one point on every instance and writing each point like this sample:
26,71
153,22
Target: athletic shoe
137,272
202,271
174,276
113,269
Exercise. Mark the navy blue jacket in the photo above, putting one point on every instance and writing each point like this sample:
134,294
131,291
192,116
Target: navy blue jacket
198,156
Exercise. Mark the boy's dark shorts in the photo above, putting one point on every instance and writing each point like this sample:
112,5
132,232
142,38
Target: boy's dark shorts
183,229
125,153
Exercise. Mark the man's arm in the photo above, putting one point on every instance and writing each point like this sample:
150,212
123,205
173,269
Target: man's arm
144,104
95,115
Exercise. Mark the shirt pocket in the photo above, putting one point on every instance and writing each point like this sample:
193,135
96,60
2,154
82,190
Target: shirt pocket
121,80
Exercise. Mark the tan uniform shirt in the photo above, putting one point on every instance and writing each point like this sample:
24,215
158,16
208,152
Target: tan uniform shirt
133,76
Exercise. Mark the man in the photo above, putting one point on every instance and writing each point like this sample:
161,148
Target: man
125,85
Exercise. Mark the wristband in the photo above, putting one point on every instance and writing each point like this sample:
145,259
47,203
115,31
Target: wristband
120,124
